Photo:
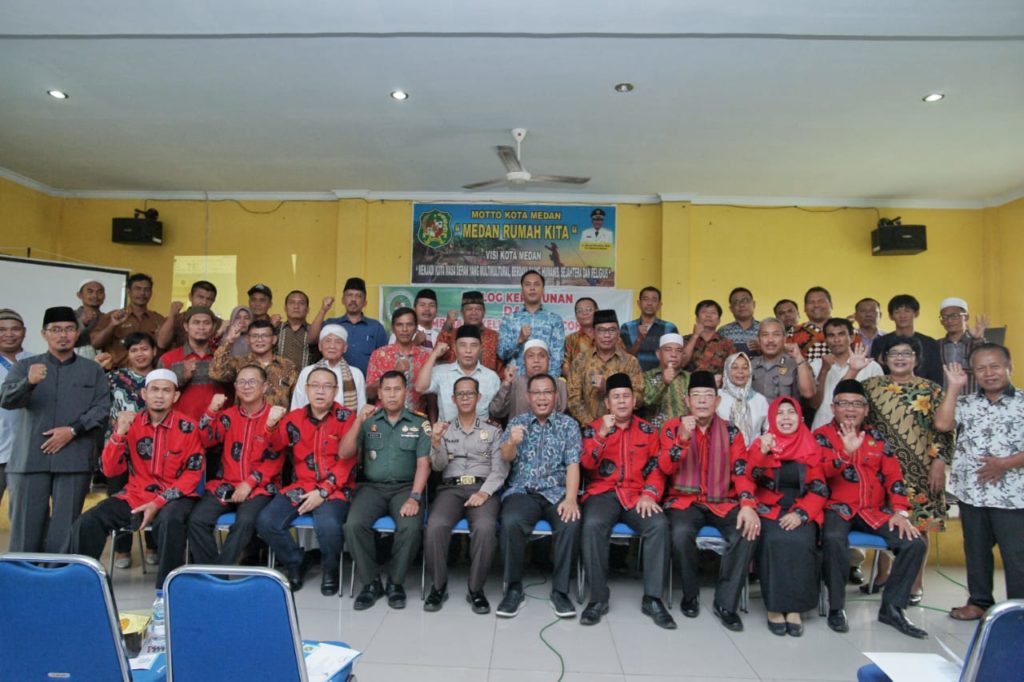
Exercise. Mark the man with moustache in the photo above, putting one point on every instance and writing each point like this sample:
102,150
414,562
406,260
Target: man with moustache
472,314
281,373
92,294
440,379
425,307
841,362
867,313
403,356
117,325
365,335
513,398
811,335
641,336
172,331
532,321
297,338
592,367
191,363
958,343
781,369
665,385
351,384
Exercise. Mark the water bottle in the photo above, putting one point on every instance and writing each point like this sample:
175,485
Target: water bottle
156,632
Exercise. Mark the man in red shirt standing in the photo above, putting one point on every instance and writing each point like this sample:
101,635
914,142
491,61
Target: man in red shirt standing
162,452
620,458
191,363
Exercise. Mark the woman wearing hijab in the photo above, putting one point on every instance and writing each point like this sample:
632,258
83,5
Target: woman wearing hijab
241,317
785,465
740,405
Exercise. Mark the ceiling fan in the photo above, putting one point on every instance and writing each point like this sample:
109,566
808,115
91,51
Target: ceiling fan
516,174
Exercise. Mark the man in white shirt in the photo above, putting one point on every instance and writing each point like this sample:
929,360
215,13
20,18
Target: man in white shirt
440,379
840,363
596,234
351,382
12,335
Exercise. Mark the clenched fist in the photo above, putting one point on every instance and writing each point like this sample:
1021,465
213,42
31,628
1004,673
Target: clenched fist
217,402
276,412
36,373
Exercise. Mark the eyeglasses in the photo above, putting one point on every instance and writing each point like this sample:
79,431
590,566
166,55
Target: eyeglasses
952,316
741,301
901,354
62,330
698,397
465,394
247,383
606,330
321,387
850,403
543,392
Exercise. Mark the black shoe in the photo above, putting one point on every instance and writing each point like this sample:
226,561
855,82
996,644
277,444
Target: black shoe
837,620
891,615
396,596
655,608
856,575
592,614
562,605
329,583
777,628
794,629
872,589
690,609
297,575
730,619
479,602
434,600
511,603
369,595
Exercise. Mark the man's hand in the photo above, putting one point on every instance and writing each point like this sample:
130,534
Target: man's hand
687,425
669,373
310,501
366,412
852,439
524,333
568,511
148,511
403,364
217,403
767,443
327,304
980,325
906,529
937,475
439,350
826,364
793,351
275,320
87,315
516,434
956,377
754,346
509,374
105,360
450,319
418,339
58,438
409,508
992,469
790,521
117,317
647,506
607,424
597,381
36,373
436,433
642,330
188,369
234,332
241,493
477,499
176,307
274,416
124,421
858,358
748,523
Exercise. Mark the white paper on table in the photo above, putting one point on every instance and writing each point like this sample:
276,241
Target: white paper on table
325,660
902,667
143,661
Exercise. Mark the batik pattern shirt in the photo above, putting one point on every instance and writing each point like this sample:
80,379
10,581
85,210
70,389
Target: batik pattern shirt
384,360
709,354
739,336
988,429
811,339
544,455
544,325
664,401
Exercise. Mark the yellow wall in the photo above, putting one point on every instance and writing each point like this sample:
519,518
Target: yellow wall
691,251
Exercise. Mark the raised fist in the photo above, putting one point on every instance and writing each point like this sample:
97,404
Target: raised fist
524,333
217,402
36,373
516,434
124,421
276,412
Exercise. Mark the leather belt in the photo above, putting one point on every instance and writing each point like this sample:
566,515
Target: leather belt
464,480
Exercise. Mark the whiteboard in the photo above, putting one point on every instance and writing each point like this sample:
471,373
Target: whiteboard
31,285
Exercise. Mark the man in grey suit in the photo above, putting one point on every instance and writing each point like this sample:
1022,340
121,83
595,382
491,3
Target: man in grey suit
65,403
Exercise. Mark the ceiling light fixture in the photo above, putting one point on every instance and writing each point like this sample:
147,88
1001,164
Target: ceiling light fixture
400,95
623,87
933,97
57,94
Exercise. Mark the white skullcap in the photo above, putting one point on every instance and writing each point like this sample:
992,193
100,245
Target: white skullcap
953,302
87,281
536,343
670,338
162,375
335,330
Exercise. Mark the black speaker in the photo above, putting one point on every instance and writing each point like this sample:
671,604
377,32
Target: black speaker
898,240
137,231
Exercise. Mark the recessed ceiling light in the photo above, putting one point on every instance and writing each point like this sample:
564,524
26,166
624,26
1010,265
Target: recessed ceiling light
934,97
57,94
623,87
399,95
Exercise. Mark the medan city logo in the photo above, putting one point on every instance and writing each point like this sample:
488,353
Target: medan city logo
435,229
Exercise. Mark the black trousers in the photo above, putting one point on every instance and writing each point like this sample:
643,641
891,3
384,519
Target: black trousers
600,514
836,558
89,534
788,566
447,508
985,527
520,512
732,574
202,521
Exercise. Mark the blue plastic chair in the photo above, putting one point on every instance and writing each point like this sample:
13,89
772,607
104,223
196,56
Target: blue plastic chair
243,629
59,621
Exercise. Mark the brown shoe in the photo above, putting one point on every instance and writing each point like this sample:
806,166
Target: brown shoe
967,612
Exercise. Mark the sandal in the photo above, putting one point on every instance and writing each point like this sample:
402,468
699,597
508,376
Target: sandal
967,612
916,597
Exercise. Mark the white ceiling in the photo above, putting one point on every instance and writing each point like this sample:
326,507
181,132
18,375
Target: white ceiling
745,99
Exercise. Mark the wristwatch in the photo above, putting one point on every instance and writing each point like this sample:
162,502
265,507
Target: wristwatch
323,493
418,497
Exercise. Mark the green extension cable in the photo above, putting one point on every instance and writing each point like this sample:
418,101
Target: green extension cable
561,660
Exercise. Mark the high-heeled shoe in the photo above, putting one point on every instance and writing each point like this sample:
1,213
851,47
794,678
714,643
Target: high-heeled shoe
916,597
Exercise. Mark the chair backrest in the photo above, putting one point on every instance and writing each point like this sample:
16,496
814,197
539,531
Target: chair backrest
996,653
58,620
243,628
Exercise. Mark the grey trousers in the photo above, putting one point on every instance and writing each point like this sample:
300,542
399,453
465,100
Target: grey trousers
372,501
34,527
447,508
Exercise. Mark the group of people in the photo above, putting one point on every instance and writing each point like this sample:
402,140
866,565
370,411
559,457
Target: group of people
781,435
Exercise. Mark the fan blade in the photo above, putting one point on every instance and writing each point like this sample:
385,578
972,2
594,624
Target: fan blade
508,157
567,179
485,183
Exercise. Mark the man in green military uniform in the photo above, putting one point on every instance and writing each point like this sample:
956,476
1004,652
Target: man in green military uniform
393,445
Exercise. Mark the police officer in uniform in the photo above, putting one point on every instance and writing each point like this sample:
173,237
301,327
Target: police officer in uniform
394,464
466,451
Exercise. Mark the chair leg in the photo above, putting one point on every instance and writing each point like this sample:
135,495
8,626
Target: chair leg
142,550
874,571
113,539
822,597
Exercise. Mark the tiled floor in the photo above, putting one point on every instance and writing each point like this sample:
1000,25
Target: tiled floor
456,645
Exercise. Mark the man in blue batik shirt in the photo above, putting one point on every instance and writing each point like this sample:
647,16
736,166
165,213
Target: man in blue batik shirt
532,322
544,448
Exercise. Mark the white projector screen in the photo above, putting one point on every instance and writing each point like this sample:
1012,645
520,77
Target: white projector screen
32,285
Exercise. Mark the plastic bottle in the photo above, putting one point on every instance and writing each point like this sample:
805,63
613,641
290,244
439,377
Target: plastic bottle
156,632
